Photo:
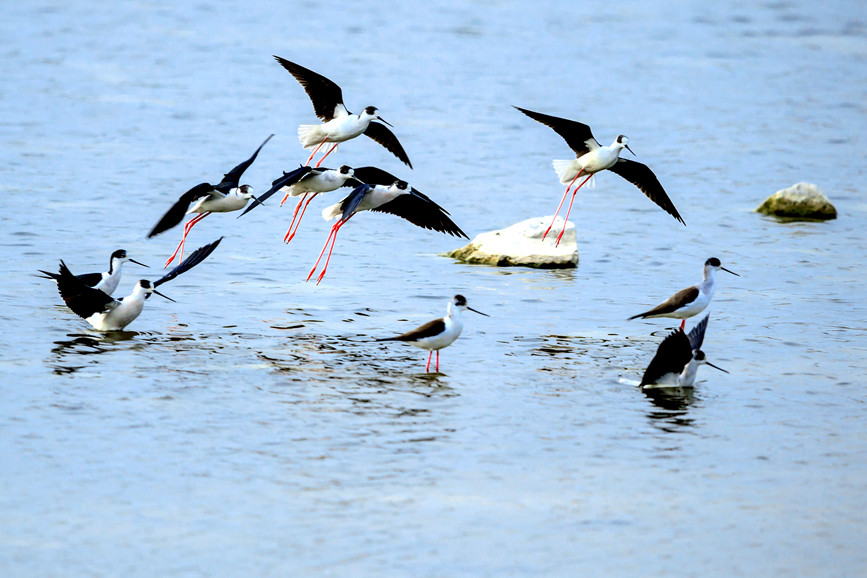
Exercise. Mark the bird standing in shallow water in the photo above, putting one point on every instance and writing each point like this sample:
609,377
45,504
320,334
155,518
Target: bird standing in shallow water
205,198
107,314
591,158
677,359
439,333
690,301
339,125
106,282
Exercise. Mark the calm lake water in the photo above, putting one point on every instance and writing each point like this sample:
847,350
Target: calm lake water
256,428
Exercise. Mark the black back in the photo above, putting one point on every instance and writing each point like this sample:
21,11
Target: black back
672,356
83,300
575,133
323,93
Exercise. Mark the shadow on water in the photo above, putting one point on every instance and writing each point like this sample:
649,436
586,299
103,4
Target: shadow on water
670,407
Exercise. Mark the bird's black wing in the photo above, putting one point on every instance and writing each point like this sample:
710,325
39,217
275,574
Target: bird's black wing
191,261
642,177
577,134
696,335
419,210
83,300
176,213
233,177
374,176
323,93
672,356
680,299
429,329
352,200
287,180
381,134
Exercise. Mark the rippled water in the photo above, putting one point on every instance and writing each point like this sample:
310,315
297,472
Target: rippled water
256,427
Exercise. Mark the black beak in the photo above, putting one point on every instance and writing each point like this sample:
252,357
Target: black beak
137,263
630,150
715,367
727,271
255,201
383,121
164,297
479,312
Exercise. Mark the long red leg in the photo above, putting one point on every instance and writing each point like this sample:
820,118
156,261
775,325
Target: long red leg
316,150
187,228
333,242
682,324
289,236
575,192
560,206
322,252
438,361
427,367
283,202
326,154
294,213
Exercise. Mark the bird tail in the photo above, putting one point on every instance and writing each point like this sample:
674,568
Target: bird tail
639,315
332,212
310,136
564,170
48,275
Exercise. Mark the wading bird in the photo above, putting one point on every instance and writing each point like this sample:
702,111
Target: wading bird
106,282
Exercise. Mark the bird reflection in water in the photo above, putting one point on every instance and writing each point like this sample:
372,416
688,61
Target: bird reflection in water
80,346
670,408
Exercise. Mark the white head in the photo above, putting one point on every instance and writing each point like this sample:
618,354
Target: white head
372,113
245,191
146,287
713,265
120,257
699,358
346,172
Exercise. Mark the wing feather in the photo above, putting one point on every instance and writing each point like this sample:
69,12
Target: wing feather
324,94
642,177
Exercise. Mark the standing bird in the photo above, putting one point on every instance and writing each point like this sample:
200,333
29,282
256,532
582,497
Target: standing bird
306,182
107,314
690,301
677,359
106,282
591,158
439,333
205,199
339,124
384,193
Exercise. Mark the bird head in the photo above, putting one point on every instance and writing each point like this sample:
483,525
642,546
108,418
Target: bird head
713,264
120,257
460,302
373,113
699,358
623,141
147,287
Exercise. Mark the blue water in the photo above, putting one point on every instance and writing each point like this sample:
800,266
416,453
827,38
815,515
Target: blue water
256,428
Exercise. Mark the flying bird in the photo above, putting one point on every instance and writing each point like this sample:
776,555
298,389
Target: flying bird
690,301
382,192
339,125
107,281
204,199
439,333
677,359
591,158
105,313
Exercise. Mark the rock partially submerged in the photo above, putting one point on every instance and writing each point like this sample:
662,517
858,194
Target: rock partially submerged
800,201
521,245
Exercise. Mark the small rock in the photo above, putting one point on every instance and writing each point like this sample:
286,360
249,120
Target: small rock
521,245
800,201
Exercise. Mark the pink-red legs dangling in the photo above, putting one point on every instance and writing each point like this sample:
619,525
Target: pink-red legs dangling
331,150
290,233
187,228
569,210
313,154
682,324
331,235
560,206
427,367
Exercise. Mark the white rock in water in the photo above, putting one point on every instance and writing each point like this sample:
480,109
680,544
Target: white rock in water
521,245
800,201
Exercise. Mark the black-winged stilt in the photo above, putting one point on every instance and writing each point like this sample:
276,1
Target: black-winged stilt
107,281
690,301
339,125
677,359
591,158
439,333
107,314
204,199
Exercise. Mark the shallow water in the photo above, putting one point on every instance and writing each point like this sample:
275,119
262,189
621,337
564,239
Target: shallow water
256,427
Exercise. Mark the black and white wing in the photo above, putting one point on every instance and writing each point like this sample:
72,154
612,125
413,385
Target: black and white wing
287,180
233,177
672,356
324,94
577,135
421,211
696,335
176,213
83,300
429,329
89,279
381,134
642,177
191,261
